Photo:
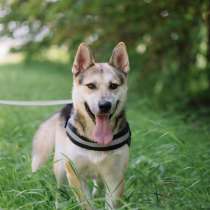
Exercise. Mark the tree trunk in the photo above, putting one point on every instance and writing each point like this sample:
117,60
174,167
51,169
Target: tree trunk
208,43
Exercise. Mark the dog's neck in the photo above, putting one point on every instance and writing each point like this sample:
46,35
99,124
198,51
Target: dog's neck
84,124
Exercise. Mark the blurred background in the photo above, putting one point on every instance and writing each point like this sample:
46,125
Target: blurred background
168,101
168,41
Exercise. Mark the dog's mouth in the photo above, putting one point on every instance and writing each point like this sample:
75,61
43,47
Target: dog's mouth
102,132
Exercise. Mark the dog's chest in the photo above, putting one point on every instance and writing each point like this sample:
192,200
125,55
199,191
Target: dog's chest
92,163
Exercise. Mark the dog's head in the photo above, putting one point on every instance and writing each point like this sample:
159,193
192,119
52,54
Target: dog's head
100,89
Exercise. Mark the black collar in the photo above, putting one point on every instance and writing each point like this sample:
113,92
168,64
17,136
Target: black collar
121,138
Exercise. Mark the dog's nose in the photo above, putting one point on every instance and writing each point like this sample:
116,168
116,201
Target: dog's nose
105,106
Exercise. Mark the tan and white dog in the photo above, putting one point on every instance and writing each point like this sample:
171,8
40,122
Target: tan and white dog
97,114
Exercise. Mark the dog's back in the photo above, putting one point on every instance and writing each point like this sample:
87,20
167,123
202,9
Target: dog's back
43,142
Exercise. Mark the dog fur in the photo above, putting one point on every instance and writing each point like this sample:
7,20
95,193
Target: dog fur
92,82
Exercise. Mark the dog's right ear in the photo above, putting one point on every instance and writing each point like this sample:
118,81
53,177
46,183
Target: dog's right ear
83,59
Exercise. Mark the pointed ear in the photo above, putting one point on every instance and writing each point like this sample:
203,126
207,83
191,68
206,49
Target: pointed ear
119,58
83,59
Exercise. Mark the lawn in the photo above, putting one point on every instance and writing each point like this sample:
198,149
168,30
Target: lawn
170,154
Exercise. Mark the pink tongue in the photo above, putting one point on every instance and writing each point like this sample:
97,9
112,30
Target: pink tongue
102,132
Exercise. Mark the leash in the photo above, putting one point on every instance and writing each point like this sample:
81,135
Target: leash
121,138
35,103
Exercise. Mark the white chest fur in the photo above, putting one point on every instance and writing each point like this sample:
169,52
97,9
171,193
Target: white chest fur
91,163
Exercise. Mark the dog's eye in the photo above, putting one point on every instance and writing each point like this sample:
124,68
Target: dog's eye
91,86
113,86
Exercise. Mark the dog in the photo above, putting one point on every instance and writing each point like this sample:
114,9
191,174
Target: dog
92,133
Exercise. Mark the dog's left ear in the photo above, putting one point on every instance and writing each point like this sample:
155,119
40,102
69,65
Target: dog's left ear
83,59
119,58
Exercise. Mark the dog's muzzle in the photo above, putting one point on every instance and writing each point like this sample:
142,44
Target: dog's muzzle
90,113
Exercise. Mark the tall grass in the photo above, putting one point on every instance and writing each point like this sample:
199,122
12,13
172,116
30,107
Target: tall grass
169,160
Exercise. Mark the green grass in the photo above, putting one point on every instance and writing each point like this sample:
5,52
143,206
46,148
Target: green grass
170,156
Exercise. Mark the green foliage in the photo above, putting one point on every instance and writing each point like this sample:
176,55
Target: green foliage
166,39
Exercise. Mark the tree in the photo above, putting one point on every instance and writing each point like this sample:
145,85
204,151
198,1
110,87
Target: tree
169,32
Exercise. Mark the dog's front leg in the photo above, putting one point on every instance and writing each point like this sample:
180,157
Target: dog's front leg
79,187
112,173
114,189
